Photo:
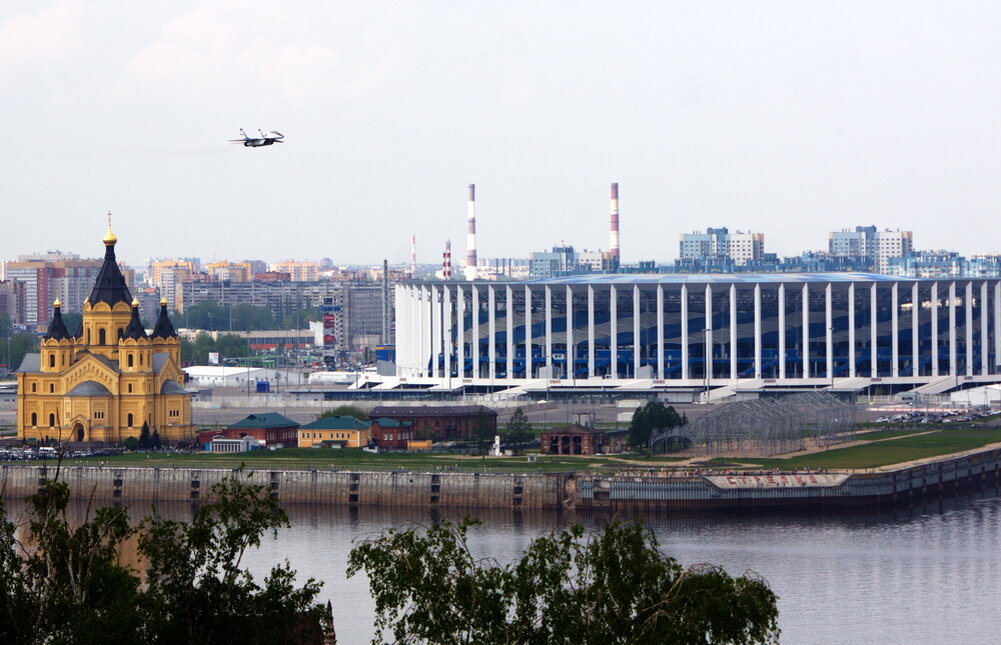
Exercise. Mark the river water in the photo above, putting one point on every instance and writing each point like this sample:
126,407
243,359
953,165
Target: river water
929,573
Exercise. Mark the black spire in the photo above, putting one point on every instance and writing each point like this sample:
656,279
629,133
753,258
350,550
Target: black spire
135,330
110,286
164,329
57,328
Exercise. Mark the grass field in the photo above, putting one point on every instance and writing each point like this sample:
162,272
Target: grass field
904,448
351,458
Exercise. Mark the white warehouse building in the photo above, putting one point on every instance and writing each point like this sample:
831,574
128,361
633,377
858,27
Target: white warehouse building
838,330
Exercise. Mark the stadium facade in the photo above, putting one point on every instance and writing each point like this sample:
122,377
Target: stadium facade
842,330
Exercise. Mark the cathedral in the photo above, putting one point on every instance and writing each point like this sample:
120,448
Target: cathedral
104,381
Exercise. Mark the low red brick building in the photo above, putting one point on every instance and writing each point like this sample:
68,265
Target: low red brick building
391,434
442,422
275,430
572,440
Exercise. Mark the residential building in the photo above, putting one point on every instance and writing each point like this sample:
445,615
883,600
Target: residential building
13,301
740,247
391,434
299,270
868,241
52,275
222,270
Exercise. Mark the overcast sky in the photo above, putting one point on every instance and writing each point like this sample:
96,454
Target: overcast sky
787,118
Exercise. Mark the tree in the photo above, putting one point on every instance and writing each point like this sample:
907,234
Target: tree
154,442
519,430
651,416
64,582
19,345
145,441
130,443
614,586
73,321
355,411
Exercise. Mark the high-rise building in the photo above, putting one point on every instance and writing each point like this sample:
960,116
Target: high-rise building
51,275
720,243
299,270
869,242
224,270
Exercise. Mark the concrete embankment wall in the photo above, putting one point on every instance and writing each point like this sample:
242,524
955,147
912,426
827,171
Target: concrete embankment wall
296,486
860,489
536,491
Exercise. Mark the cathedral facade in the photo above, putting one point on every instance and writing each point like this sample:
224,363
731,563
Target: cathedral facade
104,381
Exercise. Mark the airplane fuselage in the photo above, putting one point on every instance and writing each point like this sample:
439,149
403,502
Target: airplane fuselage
257,143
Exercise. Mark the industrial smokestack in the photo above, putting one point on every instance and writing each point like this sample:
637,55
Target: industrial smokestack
471,233
446,262
614,232
413,257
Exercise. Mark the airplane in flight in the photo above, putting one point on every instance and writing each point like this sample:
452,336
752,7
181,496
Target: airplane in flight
257,142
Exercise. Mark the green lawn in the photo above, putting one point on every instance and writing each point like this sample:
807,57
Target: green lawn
882,453
353,458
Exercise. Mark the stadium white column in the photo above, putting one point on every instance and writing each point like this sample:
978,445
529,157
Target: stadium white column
435,332
997,323
549,330
873,333
953,367
828,334
474,328
851,330
984,317
492,331
571,350
684,332
447,312
460,314
806,331
895,325
510,333
709,335
528,332
915,330
782,330
636,331
934,328
425,315
733,332
968,298
590,331
660,331
757,330
613,330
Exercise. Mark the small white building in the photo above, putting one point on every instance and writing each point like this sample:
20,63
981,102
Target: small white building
228,444
222,376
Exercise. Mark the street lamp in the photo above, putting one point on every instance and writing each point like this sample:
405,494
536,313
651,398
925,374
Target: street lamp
707,362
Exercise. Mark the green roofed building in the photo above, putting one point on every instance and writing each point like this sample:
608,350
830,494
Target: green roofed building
347,432
272,429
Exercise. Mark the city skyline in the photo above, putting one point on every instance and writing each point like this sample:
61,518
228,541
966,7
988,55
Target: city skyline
782,118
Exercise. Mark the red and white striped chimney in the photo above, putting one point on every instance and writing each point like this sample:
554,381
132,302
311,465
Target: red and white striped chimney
614,232
446,263
471,233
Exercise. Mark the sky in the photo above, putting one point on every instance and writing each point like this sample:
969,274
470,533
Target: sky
787,118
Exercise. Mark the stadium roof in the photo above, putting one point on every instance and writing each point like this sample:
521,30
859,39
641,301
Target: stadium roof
713,278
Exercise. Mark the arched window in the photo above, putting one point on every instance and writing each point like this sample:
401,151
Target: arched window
130,392
102,337
52,420
130,419
52,388
34,388
52,360
130,360
34,418
88,337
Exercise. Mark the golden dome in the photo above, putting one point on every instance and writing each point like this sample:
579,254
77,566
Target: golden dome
163,301
57,303
135,302
109,237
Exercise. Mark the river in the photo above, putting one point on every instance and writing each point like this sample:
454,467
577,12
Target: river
929,573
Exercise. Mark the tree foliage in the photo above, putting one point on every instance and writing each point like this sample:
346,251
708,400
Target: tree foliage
65,583
519,430
651,416
19,345
614,586
346,410
227,345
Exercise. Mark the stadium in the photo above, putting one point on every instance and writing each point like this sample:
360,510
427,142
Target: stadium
709,335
